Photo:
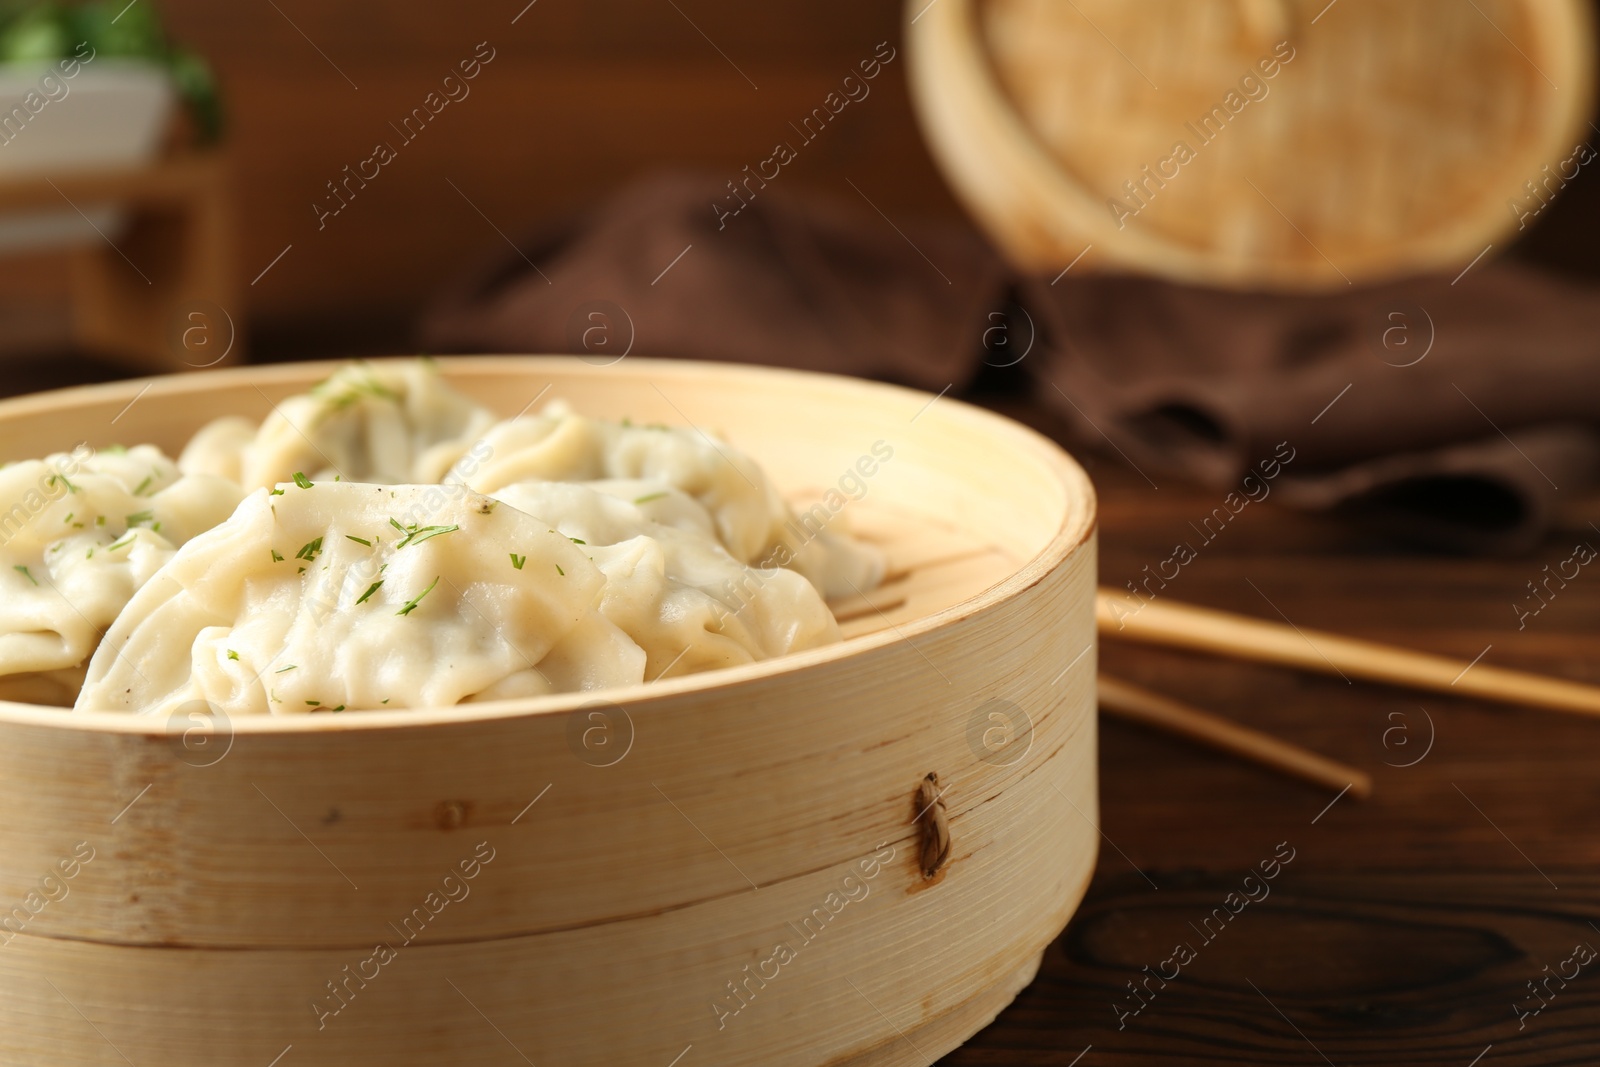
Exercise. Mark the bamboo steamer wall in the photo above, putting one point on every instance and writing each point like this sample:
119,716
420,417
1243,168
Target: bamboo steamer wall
242,880
1296,144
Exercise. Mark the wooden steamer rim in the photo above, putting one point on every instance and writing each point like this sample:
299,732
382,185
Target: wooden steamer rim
281,381
607,922
1382,181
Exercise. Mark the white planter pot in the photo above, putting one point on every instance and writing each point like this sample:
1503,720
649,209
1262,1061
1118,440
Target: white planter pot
112,114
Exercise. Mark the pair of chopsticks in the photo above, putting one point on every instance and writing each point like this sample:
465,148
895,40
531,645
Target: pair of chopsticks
1240,637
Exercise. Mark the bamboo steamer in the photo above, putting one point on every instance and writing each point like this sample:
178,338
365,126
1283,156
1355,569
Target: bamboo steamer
1324,143
635,855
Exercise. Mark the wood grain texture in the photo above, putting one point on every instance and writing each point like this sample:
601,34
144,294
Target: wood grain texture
1132,703
240,886
1408,926
1369,968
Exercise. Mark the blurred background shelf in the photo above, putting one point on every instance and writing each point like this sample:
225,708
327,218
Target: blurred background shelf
152,298
583,98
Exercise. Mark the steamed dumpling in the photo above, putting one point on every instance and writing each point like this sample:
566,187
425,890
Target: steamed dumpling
345,596
676,592
366,571
748,514
218,448
393,424
660,502
560,445
79,534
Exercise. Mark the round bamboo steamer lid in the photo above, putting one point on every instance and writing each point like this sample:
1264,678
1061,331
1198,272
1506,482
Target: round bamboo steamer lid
627,901
1280,144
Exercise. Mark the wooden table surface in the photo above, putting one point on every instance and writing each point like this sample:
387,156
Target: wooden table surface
1407,928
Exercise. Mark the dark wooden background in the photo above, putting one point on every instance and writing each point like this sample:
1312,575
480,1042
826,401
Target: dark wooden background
1406,927
580,98
583,95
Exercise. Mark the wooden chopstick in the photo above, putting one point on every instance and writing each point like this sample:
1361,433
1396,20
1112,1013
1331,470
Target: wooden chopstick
1152,709
1163,622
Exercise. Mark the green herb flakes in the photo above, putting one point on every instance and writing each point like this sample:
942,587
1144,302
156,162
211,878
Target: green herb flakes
411,605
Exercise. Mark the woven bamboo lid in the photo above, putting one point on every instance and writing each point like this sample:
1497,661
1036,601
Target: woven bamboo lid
1295,144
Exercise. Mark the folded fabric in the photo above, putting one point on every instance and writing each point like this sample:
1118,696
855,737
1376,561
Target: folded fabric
1446,412
1449,412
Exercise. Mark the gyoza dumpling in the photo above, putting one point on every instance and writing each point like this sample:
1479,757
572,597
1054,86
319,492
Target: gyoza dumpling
834,563
218,448
750,517
560,445
661,502
367,423
347,595
80,532
678,593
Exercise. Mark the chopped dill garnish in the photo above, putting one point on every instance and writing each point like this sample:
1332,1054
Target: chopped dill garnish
411,605
517,561
560,571
282,670
358,540
26,573
232,654
373,588
309,550
577,540
302,481
127,539
139,517
275,557
144,485
415,534
649,497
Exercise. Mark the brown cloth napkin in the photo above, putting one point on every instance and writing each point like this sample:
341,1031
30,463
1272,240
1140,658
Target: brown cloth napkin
1446,412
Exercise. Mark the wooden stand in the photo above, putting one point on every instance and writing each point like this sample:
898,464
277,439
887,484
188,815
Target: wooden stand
161,294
